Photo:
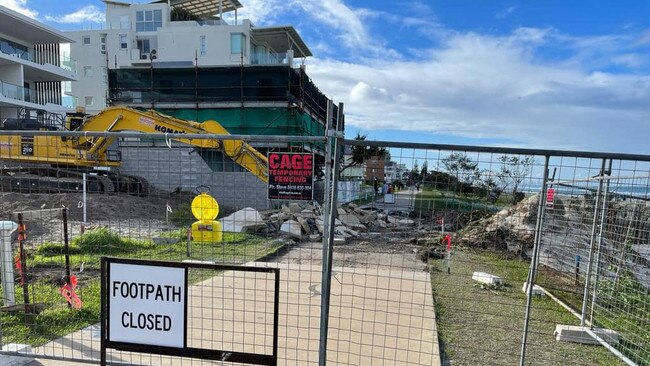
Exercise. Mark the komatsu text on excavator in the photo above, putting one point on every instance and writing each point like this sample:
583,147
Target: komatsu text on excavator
57,163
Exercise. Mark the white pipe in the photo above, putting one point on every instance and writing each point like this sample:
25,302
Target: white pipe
6,260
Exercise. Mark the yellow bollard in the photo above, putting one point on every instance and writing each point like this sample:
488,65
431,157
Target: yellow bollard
206,209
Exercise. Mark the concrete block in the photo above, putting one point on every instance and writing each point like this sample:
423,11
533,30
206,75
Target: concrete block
247,219
294,207
293,228
537,290
339,240
578,334
487,278
18,348
314,237
349,219
304,224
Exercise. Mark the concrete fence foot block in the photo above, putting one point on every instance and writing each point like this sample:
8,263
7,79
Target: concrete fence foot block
578,334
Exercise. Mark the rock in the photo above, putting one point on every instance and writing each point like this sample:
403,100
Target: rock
320,225
314,237
292,228
307,213
313,226
286,208
352,205
339,240
352,232
381,216
341,231
283,216
341,211
392,220
349,219
294,207
247,219
406,222
425,253
304,224
381,224
365,219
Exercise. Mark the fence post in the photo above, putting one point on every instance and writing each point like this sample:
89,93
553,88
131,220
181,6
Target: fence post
329,209
533,262
600,238
592,245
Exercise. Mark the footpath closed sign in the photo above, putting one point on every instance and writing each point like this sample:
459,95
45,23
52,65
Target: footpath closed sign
147,304
291,176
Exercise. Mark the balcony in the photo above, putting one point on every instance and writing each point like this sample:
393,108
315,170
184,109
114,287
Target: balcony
20,93
270,59
39,57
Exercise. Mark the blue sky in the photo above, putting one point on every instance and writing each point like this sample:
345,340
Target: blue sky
545,73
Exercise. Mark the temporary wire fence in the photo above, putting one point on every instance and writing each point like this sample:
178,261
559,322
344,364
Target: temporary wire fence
429,267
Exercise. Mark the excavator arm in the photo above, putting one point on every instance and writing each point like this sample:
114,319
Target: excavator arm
116,119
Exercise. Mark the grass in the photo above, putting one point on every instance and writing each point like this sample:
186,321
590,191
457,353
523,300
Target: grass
432,200
46,268
483,326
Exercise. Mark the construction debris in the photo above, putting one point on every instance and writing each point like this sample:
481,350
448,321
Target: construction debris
305,221
247,219
488,279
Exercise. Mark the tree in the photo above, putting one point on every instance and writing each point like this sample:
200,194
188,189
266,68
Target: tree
461,166
514,170
362,153
415,172
424,171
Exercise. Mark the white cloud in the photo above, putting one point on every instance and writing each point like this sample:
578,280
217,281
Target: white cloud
19,6
260,12
493,87
89,13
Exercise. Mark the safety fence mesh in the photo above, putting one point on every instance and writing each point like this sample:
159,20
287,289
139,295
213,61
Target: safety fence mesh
430,252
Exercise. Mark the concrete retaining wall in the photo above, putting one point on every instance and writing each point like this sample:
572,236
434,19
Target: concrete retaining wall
167,169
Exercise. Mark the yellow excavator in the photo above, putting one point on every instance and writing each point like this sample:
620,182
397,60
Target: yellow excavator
56,163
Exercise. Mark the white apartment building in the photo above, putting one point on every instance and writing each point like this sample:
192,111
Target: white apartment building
32,68
159,35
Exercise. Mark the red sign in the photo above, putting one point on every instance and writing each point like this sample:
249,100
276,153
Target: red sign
291,176
550,197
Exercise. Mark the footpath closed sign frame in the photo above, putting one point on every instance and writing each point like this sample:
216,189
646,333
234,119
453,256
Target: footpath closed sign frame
291,176
145,310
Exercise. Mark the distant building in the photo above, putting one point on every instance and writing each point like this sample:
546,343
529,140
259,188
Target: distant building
375,169
32,70
194,59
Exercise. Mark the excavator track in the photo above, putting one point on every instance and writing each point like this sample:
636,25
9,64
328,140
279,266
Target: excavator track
56,180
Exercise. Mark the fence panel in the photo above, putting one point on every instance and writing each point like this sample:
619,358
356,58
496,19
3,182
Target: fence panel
429,267
144,211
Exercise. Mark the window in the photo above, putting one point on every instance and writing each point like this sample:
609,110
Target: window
144,46
88,71
86,40
105,75
148,20
88,100
237,43
102,43
124,43
203,46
